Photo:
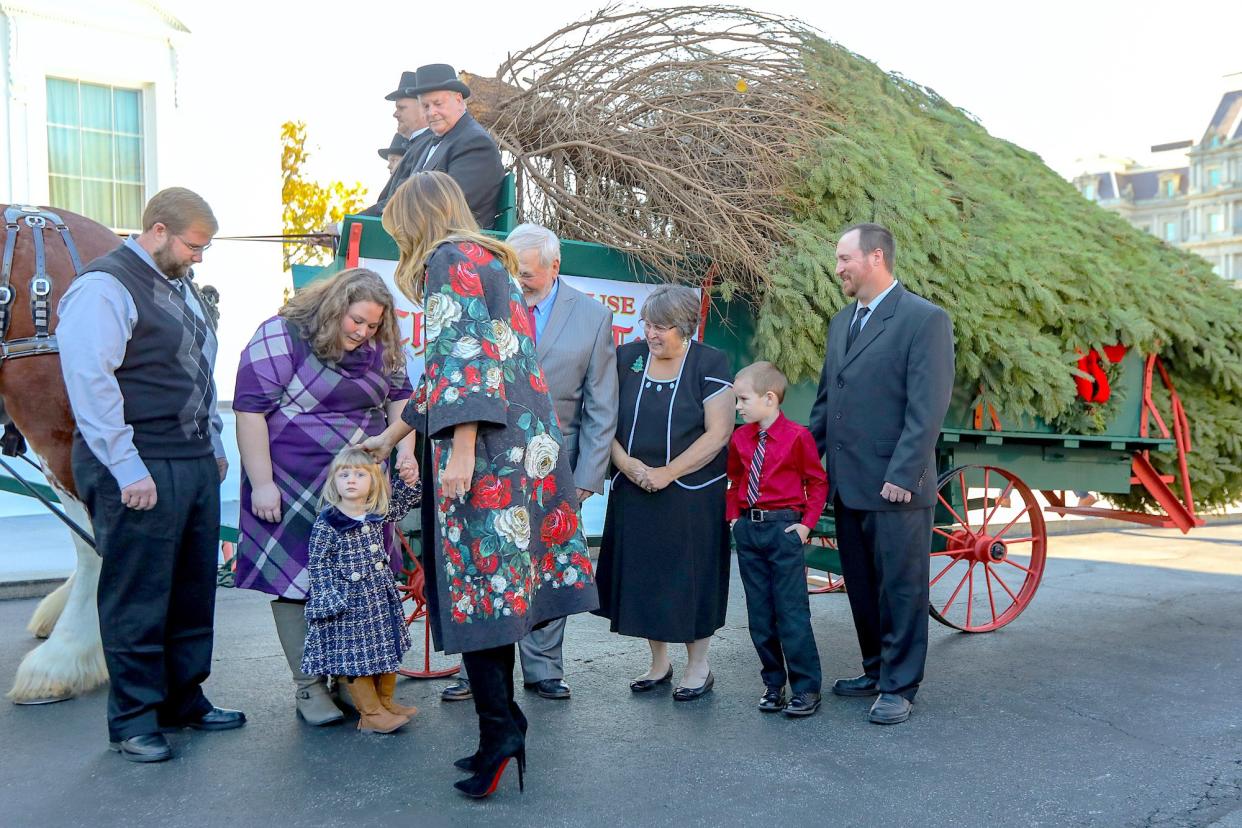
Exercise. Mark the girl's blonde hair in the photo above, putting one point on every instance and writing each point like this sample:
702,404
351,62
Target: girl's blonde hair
317,310
352,457
426,211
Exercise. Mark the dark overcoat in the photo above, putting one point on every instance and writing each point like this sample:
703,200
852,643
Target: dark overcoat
512,554
355,625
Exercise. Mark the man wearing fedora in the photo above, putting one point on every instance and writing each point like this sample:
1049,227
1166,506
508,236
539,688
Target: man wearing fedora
412,129
394,152
461,146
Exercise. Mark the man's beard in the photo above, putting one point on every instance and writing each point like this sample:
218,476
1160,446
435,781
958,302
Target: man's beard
170,266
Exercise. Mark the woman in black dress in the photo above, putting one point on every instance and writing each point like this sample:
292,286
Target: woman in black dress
663,569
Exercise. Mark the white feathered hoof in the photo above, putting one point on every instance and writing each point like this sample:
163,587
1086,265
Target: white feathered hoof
58,669
48,612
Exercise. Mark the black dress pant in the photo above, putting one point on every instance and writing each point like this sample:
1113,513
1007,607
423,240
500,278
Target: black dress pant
157,589
885,558
773,571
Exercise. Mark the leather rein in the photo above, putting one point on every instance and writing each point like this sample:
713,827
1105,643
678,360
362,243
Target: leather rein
44,341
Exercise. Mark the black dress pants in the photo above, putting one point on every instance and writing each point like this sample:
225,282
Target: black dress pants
885,558
157,589
771,564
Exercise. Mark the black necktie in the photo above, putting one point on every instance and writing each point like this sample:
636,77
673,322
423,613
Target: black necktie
855,328
422,162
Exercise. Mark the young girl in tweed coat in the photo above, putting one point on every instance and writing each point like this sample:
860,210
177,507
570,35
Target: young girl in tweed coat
355,624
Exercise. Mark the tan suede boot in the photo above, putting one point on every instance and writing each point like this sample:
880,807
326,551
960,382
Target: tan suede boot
372,717
386,683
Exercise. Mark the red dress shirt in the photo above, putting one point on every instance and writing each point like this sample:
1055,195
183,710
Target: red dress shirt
792,476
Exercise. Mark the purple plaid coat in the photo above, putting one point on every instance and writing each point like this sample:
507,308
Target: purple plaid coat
354,622
313,410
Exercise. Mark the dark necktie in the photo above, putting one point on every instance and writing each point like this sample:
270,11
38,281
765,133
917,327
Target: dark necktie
855,328
756,469
426,157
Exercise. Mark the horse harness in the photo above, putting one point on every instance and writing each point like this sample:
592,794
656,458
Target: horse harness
44,341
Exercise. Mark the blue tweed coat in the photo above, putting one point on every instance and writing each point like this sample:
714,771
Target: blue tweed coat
355,624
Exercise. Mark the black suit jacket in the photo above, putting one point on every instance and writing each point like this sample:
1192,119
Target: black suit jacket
880,407
413,151
468,153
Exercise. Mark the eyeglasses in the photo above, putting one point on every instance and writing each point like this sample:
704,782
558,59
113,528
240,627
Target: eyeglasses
659,329
194,248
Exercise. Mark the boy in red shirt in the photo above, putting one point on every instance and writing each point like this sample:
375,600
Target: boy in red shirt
777,490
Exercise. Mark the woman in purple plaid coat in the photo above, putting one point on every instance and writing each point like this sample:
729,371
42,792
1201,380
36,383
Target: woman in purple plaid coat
325,373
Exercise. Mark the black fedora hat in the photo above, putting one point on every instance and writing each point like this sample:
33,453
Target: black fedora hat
436,76
403,87
397,147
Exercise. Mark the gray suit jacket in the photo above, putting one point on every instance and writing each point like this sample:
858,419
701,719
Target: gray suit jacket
880,407
579,362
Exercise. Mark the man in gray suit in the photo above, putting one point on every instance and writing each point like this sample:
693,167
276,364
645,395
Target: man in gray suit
883,394
574,346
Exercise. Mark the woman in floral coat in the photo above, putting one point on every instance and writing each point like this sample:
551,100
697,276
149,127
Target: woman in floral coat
503,547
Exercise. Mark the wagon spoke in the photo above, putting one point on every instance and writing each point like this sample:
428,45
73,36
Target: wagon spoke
1011,541
995,507
953,512
987,578
954,553
970,591
1019,566
945,609
952,563
942,533
961,480
1005,586
1010,524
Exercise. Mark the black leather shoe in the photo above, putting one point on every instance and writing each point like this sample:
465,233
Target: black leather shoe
148,747
457,691
772,700
692,693
803,704
890,708
860,686
644,685
217,719
549,688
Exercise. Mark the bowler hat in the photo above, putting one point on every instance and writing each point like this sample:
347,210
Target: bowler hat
397,147
434,77
403,87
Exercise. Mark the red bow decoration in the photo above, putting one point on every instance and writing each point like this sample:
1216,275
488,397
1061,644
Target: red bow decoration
1096,389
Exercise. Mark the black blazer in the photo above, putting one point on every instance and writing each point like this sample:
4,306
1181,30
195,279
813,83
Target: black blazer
413,152
879,409
468,153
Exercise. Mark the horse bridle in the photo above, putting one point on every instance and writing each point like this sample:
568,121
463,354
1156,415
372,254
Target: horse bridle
44,341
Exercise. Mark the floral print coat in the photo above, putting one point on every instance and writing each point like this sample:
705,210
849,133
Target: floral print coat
512,554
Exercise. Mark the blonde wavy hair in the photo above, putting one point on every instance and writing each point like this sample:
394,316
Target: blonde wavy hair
426,211
352,457
317,310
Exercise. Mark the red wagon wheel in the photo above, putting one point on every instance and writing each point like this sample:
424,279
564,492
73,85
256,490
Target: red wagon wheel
413,590
987,552
819,584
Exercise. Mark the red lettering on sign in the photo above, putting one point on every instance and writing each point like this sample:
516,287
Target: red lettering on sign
619,334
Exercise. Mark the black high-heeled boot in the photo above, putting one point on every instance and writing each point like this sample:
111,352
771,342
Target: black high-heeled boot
470,763
500,736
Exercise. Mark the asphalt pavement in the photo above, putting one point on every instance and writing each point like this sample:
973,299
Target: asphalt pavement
1112,701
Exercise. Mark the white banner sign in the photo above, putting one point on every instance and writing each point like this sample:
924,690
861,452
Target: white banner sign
624,299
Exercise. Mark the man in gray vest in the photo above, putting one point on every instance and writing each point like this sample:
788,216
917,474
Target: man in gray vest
138,346
574,346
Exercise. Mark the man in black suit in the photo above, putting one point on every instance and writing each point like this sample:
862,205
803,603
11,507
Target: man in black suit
461,146
883,394
411,125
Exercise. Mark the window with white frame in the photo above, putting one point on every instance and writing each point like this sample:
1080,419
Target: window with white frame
1170,231
95,151
1216,222
1214,177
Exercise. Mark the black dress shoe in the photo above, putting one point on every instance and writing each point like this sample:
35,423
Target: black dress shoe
549,688
457,691
890,708
692,693
148,747
772,700
860,686
803,704
643,685
217,718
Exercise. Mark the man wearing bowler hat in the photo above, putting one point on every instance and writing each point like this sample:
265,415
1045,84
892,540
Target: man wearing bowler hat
394,152
412,127
461,146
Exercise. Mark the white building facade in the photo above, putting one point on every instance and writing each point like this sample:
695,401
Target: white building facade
89,105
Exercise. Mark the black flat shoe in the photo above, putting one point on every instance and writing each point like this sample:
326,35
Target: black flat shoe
889,708
858,686
644,685
692,693
147,747
216,718
457,691
803,704
773,700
